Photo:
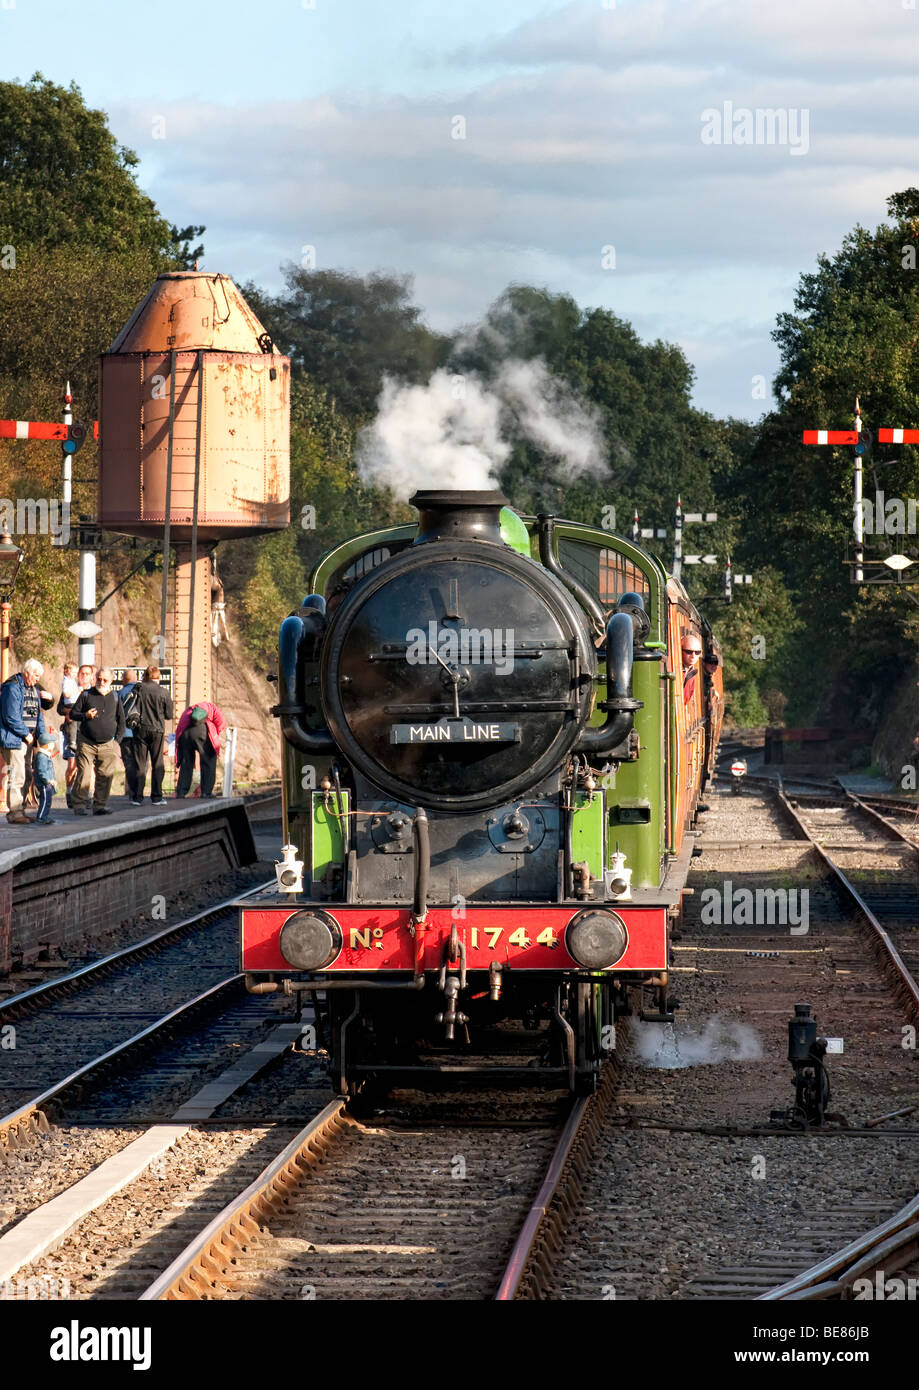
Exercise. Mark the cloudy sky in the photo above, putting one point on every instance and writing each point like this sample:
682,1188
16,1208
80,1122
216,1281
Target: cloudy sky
478,143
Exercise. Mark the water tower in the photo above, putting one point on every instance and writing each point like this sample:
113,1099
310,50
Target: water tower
194,445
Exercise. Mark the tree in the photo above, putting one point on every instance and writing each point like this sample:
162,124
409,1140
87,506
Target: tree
181,253
854,332
80,244
65,180
60,309
525,322
657,445
345,331
757,632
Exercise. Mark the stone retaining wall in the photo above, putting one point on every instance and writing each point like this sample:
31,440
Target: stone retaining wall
67,891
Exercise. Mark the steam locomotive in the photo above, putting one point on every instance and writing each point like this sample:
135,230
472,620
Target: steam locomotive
492,755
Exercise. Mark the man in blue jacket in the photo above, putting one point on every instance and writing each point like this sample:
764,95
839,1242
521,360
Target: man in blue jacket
128,697
22,728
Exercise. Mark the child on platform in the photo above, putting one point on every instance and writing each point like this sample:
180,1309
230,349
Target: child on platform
44,778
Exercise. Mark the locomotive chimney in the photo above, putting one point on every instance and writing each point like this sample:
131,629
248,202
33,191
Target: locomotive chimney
444,515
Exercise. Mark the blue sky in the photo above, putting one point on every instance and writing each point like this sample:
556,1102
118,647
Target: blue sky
239,51
293,132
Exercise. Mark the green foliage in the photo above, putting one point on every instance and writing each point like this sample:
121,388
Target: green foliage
757,631
45,599
658,446
854,332
344,332
80,245
525,322
270,593
59,309
182,255
64,178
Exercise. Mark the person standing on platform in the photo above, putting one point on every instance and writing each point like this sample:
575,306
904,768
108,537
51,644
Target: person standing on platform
44,778
75,681
70,686
99,716
31,792
199,732
21,727
128,697
151,710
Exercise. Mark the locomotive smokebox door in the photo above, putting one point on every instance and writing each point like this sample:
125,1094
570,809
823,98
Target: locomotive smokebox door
431,701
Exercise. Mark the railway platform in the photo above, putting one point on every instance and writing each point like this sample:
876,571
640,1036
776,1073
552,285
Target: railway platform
62,884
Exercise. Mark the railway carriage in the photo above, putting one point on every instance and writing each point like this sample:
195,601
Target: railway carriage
492,755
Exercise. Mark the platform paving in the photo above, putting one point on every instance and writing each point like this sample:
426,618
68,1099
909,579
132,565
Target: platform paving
23,842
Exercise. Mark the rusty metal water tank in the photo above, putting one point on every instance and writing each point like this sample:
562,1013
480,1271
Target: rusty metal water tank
194,365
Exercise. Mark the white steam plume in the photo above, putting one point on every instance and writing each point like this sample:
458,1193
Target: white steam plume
456,432
551,418
721,1040
445,434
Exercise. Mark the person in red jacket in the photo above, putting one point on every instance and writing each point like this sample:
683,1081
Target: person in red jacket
198,732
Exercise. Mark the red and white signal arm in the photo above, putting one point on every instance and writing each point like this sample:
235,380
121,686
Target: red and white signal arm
830,437
739,767
47,429
898,436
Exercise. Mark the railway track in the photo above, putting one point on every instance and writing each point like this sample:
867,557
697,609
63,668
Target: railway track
863,854
889,1250
87,1238
748,1204
60,1135
109,1008
423,1205
125,1066
337,1217
66,986
870,859
889,910
448,1200
32,1115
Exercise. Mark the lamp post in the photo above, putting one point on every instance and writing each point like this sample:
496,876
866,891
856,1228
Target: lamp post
11,557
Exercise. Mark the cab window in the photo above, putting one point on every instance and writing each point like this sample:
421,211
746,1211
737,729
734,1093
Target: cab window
605,573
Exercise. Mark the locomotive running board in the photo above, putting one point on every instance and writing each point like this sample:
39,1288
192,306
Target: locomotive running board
677,873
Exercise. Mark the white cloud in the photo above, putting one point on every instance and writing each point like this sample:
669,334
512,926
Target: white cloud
817,39
595,140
